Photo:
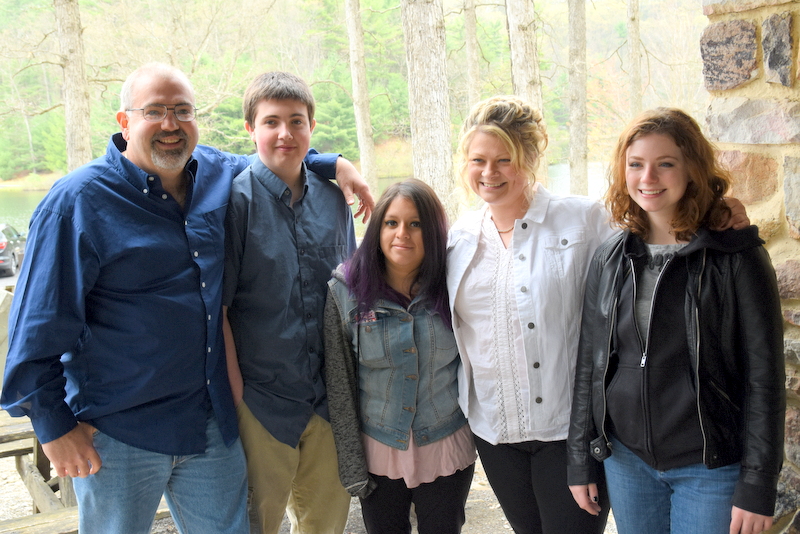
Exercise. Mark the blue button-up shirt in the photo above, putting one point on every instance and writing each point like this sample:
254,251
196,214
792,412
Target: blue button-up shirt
116,318
279,258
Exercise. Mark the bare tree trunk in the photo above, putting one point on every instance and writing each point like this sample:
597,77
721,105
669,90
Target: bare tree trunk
428,102
578,137
525,76
76,87
358,72
635,57
473,53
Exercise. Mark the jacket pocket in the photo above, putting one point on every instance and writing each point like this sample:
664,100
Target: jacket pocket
599,449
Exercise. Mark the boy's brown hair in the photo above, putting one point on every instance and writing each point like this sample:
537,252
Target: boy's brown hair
276,85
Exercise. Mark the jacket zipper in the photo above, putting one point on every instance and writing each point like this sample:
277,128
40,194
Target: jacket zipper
645,352
696,311
605,371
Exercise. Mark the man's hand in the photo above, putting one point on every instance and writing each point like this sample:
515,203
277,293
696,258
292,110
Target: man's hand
73,453
586,495
738,218
743,522
351,183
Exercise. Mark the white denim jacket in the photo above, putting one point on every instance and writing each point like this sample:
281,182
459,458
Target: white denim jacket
552,247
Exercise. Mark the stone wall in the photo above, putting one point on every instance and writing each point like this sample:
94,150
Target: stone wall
750,66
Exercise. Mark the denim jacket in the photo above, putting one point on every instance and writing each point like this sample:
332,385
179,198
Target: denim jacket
388,372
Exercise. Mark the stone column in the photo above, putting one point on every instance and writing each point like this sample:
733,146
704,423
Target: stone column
750,66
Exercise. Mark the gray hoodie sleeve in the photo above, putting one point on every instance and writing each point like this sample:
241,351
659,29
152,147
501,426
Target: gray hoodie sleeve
341,374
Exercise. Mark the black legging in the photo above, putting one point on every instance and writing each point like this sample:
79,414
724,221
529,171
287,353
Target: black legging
530,481
439,505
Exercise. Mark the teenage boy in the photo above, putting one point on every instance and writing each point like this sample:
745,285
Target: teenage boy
286,230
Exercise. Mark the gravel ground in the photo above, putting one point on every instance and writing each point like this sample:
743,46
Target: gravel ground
483,512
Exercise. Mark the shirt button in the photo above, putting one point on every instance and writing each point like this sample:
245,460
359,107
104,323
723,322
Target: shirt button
209,317
522,256
530,326
523,289
208,382
196,254
164,196
524,226
202,284
564,241
538,400
185,223
144,190
151,178
209,349
535,365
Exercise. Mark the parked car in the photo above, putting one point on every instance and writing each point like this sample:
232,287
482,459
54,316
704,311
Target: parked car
12,249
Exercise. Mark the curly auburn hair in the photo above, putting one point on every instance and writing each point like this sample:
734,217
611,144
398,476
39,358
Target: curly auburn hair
517,124
701,205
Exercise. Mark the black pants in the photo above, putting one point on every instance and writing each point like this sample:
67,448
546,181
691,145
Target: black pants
439,505
530,481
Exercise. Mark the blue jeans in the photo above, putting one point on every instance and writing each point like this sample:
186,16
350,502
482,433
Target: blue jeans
206,493
683,500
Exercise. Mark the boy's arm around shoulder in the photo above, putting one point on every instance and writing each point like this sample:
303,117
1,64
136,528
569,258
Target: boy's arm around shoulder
352,184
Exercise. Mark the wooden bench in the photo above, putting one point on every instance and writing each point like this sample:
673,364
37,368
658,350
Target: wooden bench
64,521
17,439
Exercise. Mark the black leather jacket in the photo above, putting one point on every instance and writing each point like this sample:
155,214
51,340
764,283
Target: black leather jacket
734,325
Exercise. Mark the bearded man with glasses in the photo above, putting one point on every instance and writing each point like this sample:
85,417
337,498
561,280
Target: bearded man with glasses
116,350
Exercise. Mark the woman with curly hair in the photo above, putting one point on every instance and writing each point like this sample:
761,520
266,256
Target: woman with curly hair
679,389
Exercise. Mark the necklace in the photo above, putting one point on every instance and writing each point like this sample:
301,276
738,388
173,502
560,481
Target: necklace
499,231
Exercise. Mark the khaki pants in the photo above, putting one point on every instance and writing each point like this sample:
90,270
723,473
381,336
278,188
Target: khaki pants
302,481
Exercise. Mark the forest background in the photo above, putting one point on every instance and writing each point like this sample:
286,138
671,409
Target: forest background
223,44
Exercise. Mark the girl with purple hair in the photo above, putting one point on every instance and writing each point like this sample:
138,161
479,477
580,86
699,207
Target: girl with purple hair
391,366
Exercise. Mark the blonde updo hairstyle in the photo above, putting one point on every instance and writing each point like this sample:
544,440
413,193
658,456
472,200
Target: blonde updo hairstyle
517,124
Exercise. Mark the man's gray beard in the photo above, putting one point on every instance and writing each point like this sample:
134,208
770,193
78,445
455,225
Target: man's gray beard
169,160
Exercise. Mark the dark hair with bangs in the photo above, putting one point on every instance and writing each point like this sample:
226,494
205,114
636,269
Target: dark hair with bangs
365,271
701,205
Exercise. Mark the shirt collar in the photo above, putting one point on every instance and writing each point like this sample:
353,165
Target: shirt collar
538,208
132,172
275,185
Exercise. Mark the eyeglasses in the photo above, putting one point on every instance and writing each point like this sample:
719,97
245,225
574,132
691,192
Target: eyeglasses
158,112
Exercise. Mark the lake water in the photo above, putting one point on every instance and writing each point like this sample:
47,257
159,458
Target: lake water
16,207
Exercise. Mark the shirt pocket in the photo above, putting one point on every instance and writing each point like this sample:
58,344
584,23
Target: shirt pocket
567,258
372,341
